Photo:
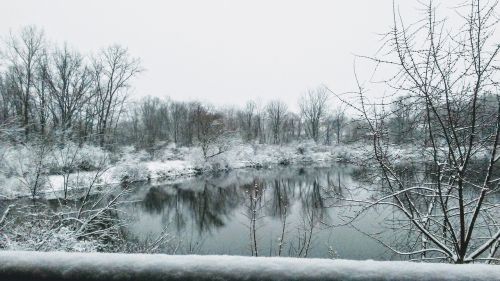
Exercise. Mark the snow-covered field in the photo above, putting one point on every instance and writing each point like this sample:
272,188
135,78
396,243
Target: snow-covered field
98,266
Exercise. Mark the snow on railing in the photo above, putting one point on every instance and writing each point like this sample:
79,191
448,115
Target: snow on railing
99,266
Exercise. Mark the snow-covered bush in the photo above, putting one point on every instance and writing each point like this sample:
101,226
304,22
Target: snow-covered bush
71,157
89,226
176,153
62,239
92,157
131,172
26,166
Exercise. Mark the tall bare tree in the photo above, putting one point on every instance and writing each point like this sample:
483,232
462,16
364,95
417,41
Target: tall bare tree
453,213
178,113
276,112
113,69
247,115
22,53
313,106
339,120
69,80
42,101
211,137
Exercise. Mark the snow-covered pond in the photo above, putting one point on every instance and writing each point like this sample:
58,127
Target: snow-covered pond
281,211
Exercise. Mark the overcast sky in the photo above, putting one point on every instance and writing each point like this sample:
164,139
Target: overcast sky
223,52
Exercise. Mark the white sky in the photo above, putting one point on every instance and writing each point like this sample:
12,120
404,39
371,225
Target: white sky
223,52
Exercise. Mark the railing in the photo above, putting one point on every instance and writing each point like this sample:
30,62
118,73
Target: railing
96,266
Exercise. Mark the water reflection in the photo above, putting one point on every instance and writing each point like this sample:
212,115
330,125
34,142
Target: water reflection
207,206
210,201
283,211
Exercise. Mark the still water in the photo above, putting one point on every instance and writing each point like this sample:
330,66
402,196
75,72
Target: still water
287,211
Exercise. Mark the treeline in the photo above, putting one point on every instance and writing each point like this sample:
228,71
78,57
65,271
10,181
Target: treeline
56,92
153,120
53,90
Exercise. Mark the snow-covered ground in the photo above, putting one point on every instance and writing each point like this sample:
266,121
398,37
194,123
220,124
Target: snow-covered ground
168,163
90,164
98,266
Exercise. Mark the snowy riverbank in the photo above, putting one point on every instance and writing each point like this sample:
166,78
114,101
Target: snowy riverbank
91,165
128,165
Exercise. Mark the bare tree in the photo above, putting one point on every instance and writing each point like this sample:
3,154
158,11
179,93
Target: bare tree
42,101
22,53
178,113
211,138
276,112
69,81
8,106
453,214
339,122
247,120
113,69
149,115
405,119
313,106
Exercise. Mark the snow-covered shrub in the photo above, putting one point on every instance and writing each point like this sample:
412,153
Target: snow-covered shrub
65,239
131,172
26,166
91,157
135,156
10,187
301,150
342,154
218,164
15,159
172,152
40,227
284,161
304,146
71,158
157,148
62,239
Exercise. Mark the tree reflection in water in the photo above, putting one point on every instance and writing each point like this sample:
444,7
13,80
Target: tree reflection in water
286,212
262,212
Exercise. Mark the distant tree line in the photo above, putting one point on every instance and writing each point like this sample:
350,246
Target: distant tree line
56,92
152,120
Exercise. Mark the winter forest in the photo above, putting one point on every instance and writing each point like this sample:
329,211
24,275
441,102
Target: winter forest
404,166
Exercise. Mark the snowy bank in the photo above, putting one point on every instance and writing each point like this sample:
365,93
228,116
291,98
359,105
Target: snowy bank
168,163
98,266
